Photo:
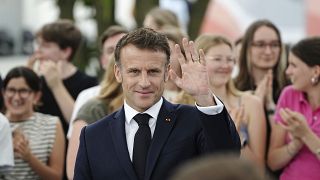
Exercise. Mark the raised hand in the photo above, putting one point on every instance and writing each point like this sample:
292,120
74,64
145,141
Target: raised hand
51,72
194,80
33,62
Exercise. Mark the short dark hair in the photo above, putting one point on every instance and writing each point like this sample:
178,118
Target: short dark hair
31,78
62,32
308,50
144,38
112,31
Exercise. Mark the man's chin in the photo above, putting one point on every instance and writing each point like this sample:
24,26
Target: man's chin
144,105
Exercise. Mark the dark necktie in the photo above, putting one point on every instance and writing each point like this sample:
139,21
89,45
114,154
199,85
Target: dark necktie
142,140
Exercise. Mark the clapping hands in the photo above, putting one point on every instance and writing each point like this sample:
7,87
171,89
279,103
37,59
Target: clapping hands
21,145
264,90
295,123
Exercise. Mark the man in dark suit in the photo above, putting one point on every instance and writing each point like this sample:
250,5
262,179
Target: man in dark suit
125,146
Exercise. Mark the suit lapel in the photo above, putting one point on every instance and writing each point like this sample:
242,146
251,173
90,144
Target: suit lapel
120,143
165,122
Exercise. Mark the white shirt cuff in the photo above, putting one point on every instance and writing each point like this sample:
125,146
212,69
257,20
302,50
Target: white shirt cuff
212,110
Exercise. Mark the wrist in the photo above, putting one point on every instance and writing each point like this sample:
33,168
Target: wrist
293,147
27,157
205,100
317,152
56,85
270,111
307,135
290,149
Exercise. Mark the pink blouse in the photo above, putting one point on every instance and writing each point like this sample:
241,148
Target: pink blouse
305,165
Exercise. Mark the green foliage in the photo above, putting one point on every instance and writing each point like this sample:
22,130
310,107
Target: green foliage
198,10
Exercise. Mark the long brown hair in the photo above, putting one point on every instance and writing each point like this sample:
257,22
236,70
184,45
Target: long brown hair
111,90
244,81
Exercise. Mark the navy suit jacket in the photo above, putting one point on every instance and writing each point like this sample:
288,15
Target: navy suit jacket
182,132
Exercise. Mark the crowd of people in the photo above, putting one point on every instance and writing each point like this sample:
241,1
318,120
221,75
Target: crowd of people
252,105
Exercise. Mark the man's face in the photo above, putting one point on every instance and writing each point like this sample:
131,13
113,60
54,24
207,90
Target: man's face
143,74
108,48
51,51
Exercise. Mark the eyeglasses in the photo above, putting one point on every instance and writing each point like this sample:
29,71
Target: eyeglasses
220,60
274,45
23,93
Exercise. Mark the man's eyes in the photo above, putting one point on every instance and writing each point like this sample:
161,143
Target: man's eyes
154,71
133,71
136,71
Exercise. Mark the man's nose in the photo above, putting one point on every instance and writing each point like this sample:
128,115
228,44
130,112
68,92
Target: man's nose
144,82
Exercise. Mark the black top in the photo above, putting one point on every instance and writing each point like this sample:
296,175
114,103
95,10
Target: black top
74,85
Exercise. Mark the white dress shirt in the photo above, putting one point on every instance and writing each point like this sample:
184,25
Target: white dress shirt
131,126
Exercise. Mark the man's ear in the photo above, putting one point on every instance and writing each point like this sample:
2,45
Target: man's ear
67,53
166,73
117,73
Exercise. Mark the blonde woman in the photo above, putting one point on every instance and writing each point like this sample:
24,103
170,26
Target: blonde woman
246,110
108,101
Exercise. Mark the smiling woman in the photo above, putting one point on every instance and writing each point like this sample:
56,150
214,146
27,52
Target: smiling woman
295,136
38,140
245,109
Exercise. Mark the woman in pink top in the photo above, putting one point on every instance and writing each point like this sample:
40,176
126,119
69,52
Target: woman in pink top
295,138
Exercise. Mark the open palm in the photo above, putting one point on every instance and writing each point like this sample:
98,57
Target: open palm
194,78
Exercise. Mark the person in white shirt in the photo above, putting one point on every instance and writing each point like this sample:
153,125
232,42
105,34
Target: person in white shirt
6,149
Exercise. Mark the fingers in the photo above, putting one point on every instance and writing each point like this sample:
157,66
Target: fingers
185,45
175,78
181,58
32,60
290,121
202,59
194,54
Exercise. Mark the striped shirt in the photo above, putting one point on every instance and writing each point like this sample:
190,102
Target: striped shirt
40,130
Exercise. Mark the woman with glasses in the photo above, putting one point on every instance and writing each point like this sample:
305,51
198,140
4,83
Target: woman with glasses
295,138
261,66
261,63
38,139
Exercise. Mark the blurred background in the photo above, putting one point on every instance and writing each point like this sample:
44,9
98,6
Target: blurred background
20,19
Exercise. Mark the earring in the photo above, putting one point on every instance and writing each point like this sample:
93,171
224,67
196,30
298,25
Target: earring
314,80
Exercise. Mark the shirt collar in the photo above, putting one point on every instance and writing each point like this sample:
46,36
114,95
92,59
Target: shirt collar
153,111
302,98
